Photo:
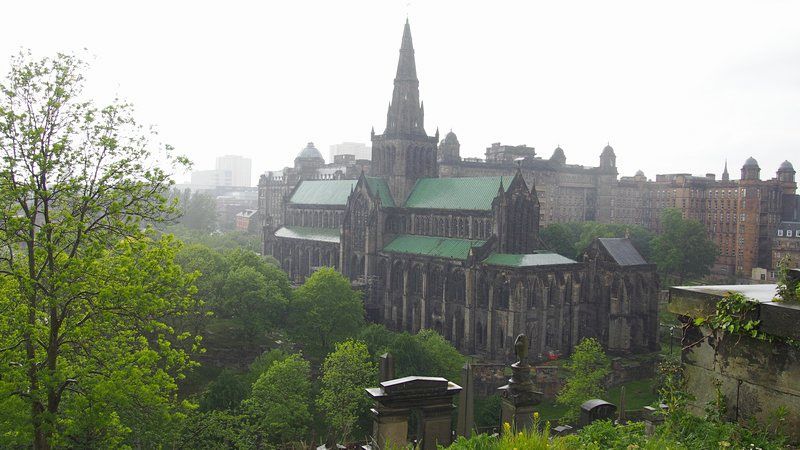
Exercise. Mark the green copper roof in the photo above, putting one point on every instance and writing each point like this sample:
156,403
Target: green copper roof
323,192
473,193
379,186
527,260
432,246
309,234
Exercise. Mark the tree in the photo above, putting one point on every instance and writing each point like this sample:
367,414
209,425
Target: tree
683,251
214,430
325,310
572,239
346,372
86,299
426,353
279,403
588,366
226,392
560,238
198,211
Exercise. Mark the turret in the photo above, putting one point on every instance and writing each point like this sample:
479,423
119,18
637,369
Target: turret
449,148
608,160
558,156
750,169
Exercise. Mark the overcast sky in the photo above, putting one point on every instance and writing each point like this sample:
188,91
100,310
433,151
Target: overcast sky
674,86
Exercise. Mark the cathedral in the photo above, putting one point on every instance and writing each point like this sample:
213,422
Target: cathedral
459,254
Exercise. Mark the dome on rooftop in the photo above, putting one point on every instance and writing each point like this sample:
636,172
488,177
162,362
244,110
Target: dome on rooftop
639,173
451,138
558,155
608,150
751,163
786,166
309,152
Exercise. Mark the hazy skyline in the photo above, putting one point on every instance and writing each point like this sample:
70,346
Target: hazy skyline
673,86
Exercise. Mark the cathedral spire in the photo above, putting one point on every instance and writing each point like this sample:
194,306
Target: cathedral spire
406,115
725,176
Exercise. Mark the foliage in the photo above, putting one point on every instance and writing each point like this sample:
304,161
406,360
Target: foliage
240,286
487,411
683,250
734,313
214,430
86,299
346,372
672,384
198,210
219,240
279,404
688,433
603,434
589,366
532,439
226,392
572,239
426,353
323,311
263,362
788,288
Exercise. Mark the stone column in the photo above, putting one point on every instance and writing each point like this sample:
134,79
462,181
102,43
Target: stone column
469,302
423,301
404,325
466,403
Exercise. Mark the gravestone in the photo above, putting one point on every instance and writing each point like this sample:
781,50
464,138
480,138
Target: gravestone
396,399
596,409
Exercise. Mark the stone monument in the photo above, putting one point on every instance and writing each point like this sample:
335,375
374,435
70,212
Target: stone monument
396,399
519,396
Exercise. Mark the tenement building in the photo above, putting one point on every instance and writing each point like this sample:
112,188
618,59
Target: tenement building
461,253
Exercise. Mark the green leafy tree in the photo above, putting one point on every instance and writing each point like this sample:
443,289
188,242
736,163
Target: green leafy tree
426,353
226,391
86,299
572,239
560,238
325,310
214,430
279,404
263,362
588,367
683,250
198,211
346,372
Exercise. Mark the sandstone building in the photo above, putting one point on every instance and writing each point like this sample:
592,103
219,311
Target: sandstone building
446,244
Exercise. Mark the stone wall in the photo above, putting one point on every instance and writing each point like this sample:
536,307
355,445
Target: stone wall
756,377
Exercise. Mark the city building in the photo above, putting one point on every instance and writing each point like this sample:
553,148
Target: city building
357,149
230,171
238,167
460,254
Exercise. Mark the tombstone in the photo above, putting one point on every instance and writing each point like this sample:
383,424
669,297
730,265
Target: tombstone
652,419
518,397
386,367
596,409
466,402
396,399
563,430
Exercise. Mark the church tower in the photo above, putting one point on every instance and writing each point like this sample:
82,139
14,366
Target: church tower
404,153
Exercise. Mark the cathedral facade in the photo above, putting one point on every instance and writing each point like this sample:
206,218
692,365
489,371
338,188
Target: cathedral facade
461,254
